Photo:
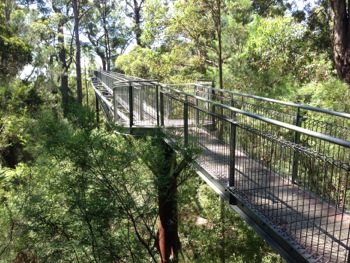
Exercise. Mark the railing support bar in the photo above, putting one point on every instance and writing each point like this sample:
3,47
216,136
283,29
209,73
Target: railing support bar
97,108
141,103
115,105
161,97
186,123
196,117
233,129
157,104
213,107
131,106
295,165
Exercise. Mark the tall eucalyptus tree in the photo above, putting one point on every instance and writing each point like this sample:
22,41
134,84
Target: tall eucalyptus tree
108,34
341,37
134,9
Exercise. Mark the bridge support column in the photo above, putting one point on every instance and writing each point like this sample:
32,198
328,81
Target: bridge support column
167,170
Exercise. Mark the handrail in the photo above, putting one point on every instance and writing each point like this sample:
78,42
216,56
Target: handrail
295,128
271,121
291,104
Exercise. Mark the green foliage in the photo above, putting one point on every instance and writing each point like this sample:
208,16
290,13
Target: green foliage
14,52
72,193
268,8
327,94
210,229
276,61
87,197
174,66
18,103
320,28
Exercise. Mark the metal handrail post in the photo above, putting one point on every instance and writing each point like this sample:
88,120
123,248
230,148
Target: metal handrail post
213,107
233,130
115,105
196,117
161,97
157,104
186,122
141,114
131,106
295,165
233,114
97,108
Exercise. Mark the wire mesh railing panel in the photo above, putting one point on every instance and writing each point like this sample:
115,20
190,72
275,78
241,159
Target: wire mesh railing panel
325,121
305,212
145,104
174,121
263,108
214,151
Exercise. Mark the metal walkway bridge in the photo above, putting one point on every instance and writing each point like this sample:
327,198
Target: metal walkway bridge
283,167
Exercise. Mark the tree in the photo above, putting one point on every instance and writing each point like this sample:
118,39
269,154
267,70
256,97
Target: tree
135,14
267,8
109,36
279,57
169,169
214,28
87,196
341,40
14,52
76,12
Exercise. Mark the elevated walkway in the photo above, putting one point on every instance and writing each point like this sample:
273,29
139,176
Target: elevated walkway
283,167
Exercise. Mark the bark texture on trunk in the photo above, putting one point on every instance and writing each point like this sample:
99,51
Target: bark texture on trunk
136,7
341,36
168,213
77,52
64,89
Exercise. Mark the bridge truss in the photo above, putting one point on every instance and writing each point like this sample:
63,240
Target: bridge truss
283,167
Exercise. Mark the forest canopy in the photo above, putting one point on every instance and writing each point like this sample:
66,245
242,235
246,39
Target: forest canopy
71,190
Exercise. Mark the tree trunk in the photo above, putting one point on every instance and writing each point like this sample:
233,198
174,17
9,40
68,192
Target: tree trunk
136,16
64,74
220,45
168,222
168,213
137,21
77,54
107,48
341,36
167,172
